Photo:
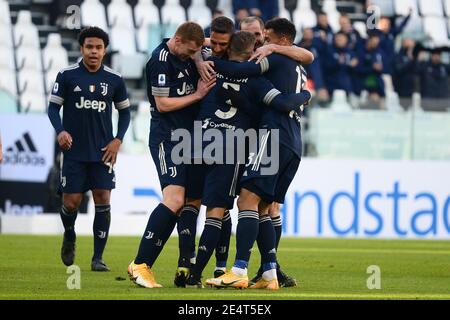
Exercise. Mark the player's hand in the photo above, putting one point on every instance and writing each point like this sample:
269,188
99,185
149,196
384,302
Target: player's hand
378,67
206,70
263,52
203,87
65,140
111,150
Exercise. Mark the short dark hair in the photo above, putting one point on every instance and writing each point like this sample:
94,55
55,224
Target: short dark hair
93,32
282,27
222,25
241,41
191,31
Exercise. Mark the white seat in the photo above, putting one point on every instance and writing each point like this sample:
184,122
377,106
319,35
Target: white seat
148,25
200,13
226,7
54,54
329,6
25,32
361,27
333,20
33,102
173,13
414,27
447,7
402,7
122,40
31,81
386,7
304,18
29,58
5,36
93,14
7,59
433,27
142,122
282,11
431,8
393,102
120,14
8,80
339,102
5,16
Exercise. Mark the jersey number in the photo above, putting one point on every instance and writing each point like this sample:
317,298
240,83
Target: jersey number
230,113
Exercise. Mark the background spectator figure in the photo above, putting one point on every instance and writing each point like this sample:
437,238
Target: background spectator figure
316,82
369,70
434,81
404,76
388,32
355,41
339,62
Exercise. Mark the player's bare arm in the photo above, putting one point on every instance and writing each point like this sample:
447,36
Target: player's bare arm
298,54
204,68
169,104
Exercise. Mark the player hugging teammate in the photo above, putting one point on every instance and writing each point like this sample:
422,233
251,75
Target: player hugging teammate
229,96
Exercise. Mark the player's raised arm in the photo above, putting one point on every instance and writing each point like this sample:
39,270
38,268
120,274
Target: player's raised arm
56,101
294,52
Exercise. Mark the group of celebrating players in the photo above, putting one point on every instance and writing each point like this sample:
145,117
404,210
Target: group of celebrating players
191,79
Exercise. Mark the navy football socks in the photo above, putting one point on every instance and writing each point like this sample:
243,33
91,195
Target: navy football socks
208,241
187,228
102,222
246,234
161,221
68,219
223,246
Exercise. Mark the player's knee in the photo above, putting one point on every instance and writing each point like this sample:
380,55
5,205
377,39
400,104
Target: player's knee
101,198
71,205
174,203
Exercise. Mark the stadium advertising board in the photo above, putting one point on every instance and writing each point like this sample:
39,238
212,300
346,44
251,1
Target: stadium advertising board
331,198
28,147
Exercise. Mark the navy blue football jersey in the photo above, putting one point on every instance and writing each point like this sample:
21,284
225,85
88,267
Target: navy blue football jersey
87,99
288,76
168,76
217,111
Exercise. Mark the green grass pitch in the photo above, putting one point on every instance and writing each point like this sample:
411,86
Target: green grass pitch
30,268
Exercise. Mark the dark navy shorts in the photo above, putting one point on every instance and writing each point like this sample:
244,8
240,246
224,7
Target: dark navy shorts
79,176
271,187
216,184
168,172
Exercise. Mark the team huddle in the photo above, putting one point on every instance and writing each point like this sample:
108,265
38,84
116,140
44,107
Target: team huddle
202,84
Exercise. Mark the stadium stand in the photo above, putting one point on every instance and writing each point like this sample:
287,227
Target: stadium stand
36,42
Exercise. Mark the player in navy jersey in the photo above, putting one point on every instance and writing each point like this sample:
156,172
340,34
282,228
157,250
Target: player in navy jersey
87,91
231,111
259,190
173,91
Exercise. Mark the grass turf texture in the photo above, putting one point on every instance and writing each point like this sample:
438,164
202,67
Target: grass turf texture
30,268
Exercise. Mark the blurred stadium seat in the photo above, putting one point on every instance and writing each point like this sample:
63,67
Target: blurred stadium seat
148,25
303,16
435,28
199,12
172,15
55,58
93,14
402,7
431,8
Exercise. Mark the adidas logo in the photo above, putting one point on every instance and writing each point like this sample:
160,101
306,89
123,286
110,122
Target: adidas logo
24,152
77,89
202,248
186,232
180,75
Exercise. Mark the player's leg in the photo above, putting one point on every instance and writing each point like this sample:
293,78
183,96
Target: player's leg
72,187
163,218
246,233
208,242
102,222
266,244
68,213
223,245
275,219
101,179
187,222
